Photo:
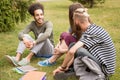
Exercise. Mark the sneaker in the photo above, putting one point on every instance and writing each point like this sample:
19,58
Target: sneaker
23,62
45,63
12,60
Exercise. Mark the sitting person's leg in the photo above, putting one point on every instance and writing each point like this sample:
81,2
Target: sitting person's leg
22,47
46,50
81,52
56,54
19,52
87,68
87,73
34,51
62,47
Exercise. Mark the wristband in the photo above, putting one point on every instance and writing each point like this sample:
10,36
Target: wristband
60,68
63,67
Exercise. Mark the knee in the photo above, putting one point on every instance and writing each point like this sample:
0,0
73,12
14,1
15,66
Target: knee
40,35
65,35
80,52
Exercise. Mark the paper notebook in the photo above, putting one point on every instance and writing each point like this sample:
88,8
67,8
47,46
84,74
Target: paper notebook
24,69
34,75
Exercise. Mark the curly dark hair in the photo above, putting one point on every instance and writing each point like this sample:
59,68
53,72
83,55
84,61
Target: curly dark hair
34,7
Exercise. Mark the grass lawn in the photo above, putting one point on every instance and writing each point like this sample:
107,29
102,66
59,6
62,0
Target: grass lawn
106,15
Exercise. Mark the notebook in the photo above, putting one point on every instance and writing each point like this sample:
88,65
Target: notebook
24,69
34,75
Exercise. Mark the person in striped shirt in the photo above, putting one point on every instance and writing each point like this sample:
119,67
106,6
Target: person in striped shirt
95,42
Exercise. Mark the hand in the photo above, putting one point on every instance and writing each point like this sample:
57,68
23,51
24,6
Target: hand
58,70
63,50
56,49
29,44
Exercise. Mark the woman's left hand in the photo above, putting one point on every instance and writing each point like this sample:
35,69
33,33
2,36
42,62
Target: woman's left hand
59,69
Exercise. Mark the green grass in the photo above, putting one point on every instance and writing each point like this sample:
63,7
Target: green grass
106,15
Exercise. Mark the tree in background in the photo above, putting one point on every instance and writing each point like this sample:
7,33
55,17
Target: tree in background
89,3
12,12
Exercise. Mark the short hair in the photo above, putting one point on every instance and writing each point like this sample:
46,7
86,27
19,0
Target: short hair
34,7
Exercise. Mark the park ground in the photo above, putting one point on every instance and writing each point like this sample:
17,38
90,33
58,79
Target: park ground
106,15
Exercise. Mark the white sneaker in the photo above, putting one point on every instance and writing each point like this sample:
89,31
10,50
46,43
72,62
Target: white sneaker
12,60
23,62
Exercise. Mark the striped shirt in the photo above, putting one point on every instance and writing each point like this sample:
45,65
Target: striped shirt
98,42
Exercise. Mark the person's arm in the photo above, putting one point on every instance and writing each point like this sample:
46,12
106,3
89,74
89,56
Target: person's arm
71,53
69,56
47,33
70,63
22,36
25,31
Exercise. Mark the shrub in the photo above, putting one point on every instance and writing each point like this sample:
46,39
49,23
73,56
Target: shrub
12,11
89,3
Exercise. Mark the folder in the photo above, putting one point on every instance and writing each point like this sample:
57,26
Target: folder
34,75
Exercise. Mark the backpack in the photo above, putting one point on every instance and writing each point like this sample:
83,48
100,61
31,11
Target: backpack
87,69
